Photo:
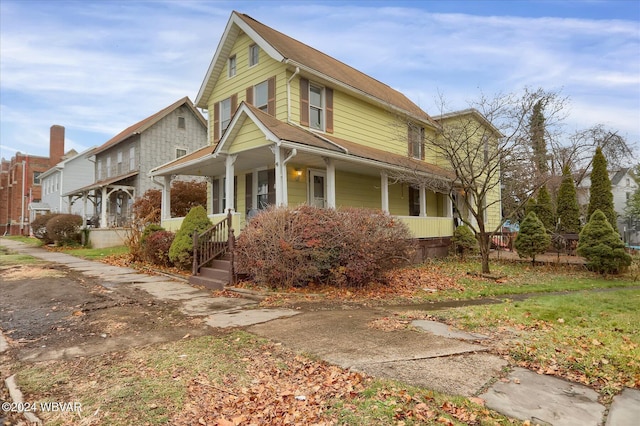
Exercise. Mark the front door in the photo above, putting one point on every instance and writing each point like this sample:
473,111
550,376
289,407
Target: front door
317,188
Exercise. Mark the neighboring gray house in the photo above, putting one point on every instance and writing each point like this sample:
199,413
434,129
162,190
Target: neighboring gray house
75,171
623,185
122,163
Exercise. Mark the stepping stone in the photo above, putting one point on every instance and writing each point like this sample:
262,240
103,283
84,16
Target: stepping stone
546,400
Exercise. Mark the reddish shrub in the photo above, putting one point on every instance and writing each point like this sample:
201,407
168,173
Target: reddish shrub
284,247
156,247
39,227
64,229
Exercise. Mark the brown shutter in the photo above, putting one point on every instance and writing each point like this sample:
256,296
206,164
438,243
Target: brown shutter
234,103
271,185
304,102
329,114
250,95
248,189
271,96
422,146
216,122
409,144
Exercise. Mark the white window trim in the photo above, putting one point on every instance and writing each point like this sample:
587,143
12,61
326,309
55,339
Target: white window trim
255,96
222,127
232,71
323,108
251,56
181,149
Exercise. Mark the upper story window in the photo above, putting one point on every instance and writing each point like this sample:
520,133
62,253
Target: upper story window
108,167
225,115
180,152
36,178
222,112
316,107
416,141
182,124
261,96
254,54
99,167
119,162
132,158
232,66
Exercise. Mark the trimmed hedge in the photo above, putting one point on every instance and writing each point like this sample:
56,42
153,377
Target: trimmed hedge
65,229
181,251
39,227
293,247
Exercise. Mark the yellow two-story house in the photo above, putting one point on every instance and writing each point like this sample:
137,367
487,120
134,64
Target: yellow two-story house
290,125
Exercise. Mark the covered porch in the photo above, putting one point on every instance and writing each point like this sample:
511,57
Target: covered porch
261,161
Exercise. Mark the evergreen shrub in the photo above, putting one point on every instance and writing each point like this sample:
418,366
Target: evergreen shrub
532,238
181,250
602,247
156,247
464,241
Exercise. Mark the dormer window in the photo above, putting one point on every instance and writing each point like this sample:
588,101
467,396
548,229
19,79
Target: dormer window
232,66
416,141
254,55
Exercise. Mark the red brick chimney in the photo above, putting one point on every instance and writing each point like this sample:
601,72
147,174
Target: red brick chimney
56,144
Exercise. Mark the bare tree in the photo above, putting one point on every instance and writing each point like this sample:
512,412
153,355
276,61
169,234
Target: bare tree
483,145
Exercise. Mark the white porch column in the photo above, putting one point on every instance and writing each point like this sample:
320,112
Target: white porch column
448,205
423,201
230,173
165,212
384,188
331,183
84,209
103,212
278,158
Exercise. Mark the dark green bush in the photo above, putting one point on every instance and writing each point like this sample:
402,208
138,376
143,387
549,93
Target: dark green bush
39,227
464,241
601,245
156,247
294,247
65,229
532,238
181,251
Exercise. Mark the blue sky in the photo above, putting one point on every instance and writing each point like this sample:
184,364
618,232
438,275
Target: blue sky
96,67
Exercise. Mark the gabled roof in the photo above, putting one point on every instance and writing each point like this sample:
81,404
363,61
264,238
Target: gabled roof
471,112
100,184
283,48
290,135
618,175
143,125
61,164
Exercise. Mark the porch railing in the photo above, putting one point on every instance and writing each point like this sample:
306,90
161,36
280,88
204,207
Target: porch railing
213,243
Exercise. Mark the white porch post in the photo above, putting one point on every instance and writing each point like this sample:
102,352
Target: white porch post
84,209
165,212
331,183
423,201
384,188
103,212
278,158
230,173
448,205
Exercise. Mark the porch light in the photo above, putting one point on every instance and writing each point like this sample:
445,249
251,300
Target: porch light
298,173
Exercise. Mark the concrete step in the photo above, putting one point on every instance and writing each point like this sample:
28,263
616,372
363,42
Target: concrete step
210,283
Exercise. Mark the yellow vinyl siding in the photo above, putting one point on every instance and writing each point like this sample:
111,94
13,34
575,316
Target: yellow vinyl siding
354,190
249,137
296,188
247,77
399,199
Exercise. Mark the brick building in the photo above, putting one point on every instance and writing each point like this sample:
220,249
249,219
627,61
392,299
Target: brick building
20,183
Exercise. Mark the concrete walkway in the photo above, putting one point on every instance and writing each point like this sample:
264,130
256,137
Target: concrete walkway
436,357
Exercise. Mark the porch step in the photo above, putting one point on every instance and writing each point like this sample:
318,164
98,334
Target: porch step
213,277
210,283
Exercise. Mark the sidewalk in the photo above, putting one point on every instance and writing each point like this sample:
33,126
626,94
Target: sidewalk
436,358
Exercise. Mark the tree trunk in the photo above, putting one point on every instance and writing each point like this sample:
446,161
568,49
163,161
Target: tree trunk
485,249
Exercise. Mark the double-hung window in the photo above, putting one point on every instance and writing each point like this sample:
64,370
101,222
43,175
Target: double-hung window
416,141
261,96
316,107
225,115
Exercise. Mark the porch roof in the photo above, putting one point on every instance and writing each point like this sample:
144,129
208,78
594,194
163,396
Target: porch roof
100,184
292,136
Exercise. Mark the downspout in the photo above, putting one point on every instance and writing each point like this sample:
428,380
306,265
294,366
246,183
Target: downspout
284,185
346,151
